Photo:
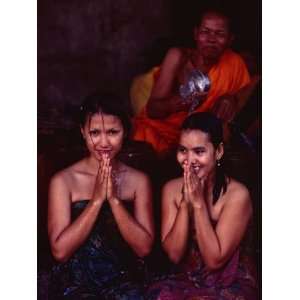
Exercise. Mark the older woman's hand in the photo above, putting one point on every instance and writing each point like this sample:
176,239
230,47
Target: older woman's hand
225,108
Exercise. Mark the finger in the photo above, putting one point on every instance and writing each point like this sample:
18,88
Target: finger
188,180
109,182
194,179
102,171
185,184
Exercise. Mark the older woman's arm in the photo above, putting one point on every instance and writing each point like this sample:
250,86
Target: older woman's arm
163,100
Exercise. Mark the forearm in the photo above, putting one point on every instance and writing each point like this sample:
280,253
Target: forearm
158,108
138,238
72,237
175,241
207,239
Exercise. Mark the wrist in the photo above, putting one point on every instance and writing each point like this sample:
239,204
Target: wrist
197,205
183,204
97,202
114,201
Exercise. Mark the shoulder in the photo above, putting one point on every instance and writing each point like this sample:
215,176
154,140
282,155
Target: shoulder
174,55
233,58
238,195
67,175
173,187
136,176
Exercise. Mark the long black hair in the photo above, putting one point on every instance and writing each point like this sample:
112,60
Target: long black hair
208,123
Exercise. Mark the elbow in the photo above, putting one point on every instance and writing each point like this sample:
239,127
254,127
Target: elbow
154,112
173,255
150,112
214,264
59,254
146,248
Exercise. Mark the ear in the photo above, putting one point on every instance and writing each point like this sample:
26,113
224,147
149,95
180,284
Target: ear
230,40
82,132
195,33
220,151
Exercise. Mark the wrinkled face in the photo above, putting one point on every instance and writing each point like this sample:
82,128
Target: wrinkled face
212,36
103,134
196,150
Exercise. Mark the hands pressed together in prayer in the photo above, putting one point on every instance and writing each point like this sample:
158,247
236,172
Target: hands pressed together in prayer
193,187
104,184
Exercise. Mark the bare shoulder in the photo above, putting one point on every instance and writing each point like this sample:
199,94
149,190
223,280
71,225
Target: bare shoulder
174,54
238,194
136,176
174,185
67,175
173,189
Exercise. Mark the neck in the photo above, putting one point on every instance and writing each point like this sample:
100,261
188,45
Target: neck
93,164
209,186
204,63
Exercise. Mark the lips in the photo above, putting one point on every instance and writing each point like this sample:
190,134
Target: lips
102,152
196,169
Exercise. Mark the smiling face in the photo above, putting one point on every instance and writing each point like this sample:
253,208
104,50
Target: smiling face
212,36
103,134
196,150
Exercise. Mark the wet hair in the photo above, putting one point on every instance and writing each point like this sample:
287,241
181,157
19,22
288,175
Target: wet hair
212,126
106,103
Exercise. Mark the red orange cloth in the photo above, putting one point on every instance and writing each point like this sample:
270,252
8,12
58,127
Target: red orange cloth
227,77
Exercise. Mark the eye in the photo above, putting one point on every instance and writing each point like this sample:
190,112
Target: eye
94,132
203,31
181,149
221,34
200,151
113,132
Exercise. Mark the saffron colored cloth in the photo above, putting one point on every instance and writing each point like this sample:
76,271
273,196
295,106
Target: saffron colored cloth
104,267
228,76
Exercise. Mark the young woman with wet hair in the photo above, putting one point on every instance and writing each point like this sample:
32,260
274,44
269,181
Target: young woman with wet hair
100,212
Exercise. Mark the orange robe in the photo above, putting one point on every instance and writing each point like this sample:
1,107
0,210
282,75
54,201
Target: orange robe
228,76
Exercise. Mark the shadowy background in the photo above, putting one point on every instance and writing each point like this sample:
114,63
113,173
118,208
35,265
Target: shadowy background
86,45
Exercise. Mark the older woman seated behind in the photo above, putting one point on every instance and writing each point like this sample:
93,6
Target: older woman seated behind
159,122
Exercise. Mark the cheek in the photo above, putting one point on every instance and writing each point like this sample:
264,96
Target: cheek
200,39
116,142
89,142
222,42
180,158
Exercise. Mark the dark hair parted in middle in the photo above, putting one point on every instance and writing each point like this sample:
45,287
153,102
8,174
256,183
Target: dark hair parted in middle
106,103
212,126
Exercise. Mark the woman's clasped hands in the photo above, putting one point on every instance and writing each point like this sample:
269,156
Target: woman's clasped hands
103,189
193,187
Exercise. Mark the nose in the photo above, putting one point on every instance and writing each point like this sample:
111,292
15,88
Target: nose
211,37
190,158
102,142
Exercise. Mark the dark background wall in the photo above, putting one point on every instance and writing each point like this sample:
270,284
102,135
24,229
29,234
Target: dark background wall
84,45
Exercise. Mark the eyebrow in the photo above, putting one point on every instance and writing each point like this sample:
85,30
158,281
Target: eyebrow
210,29
195,148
